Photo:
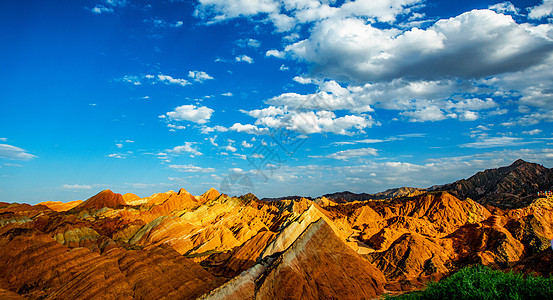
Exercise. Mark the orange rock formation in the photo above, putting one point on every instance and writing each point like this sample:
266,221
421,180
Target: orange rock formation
176,245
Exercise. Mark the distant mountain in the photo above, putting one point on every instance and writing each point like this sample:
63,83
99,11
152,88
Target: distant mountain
506,187
342,197
296,197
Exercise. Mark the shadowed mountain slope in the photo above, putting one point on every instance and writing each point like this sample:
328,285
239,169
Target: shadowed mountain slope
513,186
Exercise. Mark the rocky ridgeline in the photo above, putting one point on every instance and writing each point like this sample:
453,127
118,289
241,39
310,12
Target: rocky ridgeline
175,245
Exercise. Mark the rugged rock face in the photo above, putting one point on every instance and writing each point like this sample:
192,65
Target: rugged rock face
513,186
320,266
175,245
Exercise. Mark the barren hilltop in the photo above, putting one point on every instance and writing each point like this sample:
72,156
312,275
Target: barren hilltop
175,245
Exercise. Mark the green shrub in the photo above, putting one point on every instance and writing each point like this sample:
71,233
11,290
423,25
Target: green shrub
480,282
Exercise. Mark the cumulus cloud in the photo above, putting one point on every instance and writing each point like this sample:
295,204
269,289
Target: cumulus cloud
419,101
253,43
186,148
245,144
303,80
191,169
192,113
474,44
199,76
244,58
309,122
220,10
230,148
275,53
14,153
504,8
248,128
545,9
219,128
426,69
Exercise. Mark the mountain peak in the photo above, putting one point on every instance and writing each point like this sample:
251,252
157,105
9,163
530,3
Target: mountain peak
519,162
505,187
105,198
182,191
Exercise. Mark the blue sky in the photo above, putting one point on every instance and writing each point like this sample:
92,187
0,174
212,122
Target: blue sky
274,97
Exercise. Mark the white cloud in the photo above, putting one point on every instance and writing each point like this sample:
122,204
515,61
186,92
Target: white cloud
275,53
153,79
76,187
235,170
248,128
353,153
308,122
220,10
245,144
388,139
253,43
468,116
545,9
382,11
98,9
191,169
14,153
420,101
192,113
3,139
533,132
186,148
205,129
119,146
244,58
159,23
504,8
427,69
170,80
475,44
492,142
116,155
108,6
199,76
227,94
230,148
176,127
303,80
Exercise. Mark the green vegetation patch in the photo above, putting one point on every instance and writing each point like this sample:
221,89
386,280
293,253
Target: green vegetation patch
480,282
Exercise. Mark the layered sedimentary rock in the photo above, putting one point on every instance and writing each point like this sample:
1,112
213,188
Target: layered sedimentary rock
176,245
61,206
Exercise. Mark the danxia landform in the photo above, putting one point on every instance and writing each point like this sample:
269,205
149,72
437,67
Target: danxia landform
175,245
